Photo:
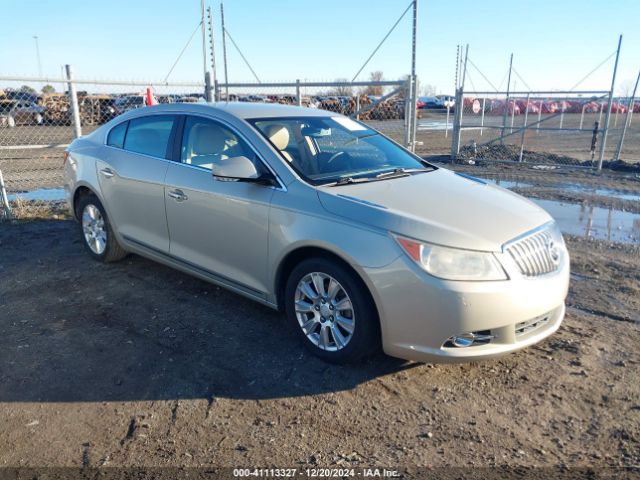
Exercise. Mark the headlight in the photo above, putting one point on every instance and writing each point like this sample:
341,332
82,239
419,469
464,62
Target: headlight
453,263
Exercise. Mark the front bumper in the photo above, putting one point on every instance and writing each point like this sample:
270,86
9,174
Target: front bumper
419,313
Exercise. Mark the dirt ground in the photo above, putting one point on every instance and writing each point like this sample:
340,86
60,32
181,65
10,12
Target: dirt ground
135,364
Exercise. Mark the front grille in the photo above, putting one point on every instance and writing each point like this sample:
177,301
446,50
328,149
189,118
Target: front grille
529,326
536,254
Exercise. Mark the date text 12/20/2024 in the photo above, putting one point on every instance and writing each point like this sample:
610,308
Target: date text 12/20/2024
314,473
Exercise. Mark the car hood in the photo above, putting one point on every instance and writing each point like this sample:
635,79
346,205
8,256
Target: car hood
440,207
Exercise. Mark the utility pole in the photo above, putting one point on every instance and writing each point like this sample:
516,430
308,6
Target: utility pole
207,75
224,53
35,37
214,75
414,80
204,38
506,102
603,144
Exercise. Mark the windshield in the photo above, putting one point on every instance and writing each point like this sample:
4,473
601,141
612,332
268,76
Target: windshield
330,149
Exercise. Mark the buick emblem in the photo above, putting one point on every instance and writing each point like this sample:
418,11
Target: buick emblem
554,251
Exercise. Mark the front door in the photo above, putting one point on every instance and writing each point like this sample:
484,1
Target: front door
220,227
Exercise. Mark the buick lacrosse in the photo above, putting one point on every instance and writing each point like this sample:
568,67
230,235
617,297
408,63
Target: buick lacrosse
358,241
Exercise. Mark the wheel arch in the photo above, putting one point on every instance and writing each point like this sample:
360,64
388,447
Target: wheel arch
81,190
300,253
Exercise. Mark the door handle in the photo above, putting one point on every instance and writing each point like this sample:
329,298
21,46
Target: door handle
107,172
178,195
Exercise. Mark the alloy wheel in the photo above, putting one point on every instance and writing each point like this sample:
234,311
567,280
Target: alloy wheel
94,229
324,311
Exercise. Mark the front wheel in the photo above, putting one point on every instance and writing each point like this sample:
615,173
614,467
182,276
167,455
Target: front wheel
332,311
97,234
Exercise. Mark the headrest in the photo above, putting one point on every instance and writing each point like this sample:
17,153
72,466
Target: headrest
279,136
208,139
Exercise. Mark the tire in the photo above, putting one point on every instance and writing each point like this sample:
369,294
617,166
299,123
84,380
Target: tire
96,231
332,314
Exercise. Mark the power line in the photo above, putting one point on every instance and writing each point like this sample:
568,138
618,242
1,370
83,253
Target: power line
592,71
383,40
243,57
483,75
182,52
503,79
521,79
471,81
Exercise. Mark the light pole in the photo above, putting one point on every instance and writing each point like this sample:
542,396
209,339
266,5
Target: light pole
35,37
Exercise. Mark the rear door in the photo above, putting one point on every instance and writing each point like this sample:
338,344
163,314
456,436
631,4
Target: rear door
132,179
220,227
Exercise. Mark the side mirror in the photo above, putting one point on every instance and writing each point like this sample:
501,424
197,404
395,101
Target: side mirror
235,168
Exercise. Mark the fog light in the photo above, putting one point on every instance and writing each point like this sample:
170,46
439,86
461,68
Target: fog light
469,339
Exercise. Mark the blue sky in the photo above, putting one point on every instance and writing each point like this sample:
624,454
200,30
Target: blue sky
555,42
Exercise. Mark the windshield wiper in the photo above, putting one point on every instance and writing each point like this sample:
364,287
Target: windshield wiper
399,172
348,180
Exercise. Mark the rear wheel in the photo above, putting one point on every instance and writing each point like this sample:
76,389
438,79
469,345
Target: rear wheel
97,234
332,311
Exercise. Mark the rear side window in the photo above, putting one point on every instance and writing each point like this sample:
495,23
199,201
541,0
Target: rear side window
149,135
116,135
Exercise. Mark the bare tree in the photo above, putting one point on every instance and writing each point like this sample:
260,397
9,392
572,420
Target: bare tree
403,90
429,90
625,89
376,90
341,90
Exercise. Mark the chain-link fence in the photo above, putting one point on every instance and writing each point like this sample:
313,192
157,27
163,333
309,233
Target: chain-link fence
37,118
382,105
551,128
37,123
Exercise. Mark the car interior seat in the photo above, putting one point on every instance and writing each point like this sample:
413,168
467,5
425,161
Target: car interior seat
279,136
207,144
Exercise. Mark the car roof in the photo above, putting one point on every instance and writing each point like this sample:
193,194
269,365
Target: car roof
245,110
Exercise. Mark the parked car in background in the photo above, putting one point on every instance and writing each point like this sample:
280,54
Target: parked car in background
20,112
447,100
129,102
430,103
359,241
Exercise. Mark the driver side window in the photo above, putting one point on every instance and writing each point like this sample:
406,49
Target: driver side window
206,142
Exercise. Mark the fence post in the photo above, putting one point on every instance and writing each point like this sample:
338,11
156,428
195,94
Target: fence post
603,144
407,113
414,114
513,115
4,199
457,120
208,87
484,103
506,102
524,127
446,126
73,100
539,117
298,95
627,119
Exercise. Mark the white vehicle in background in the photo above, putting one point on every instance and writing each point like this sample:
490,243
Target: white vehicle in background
447,101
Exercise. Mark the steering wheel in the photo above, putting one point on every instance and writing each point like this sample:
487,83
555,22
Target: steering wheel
334,156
